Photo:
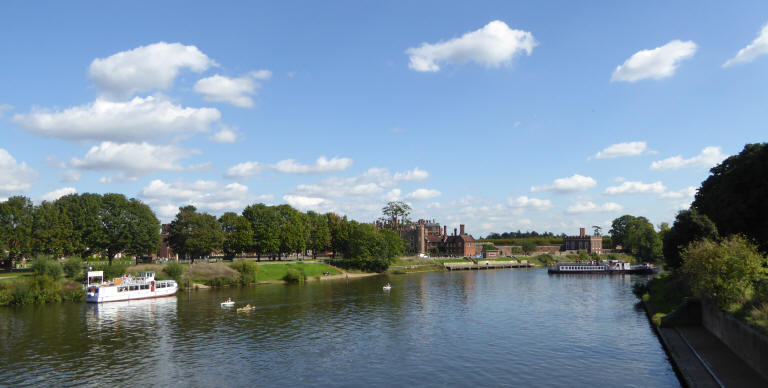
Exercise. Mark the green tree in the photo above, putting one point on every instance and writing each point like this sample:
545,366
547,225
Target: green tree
528,247
642,240
73,267
488,247
83,213
319,233
734,195
266,228
51,230
194,235
16,219
144,229
689,226
618,230
128,226
723,271
339,229
293,232
396,210
238,235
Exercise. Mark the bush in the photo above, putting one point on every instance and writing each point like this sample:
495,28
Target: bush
174,269
247,270
722,271
43,265
73,267
293,275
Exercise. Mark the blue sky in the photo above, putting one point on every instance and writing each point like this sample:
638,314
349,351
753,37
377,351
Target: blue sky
499,115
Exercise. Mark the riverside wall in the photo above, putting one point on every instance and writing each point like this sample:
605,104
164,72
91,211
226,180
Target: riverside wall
749,344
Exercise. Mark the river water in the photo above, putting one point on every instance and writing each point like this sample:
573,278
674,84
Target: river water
487,328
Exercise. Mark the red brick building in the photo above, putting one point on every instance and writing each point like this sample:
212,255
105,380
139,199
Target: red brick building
429,237
591,244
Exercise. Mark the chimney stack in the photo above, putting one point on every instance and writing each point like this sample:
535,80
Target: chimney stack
461,228
454,231
582,232
445,230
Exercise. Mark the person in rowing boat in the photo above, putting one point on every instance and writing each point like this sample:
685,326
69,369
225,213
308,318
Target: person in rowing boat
388,285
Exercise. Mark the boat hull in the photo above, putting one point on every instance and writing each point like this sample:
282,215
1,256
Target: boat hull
102,297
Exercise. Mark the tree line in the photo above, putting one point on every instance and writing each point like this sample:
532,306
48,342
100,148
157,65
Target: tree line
279,231
77,225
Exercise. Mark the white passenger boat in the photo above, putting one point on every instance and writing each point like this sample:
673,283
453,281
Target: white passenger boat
605,266
126,287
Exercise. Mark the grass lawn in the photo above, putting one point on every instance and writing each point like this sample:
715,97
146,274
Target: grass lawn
11,276
277,271
442,261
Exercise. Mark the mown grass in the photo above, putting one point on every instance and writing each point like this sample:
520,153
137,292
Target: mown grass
412,260
274,272
11,276
443,261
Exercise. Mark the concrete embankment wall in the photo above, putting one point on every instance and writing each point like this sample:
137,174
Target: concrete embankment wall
749,344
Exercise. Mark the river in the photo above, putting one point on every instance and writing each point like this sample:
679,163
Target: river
486,328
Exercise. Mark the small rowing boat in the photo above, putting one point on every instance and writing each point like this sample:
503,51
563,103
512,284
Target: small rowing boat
228,303
245,309
387,287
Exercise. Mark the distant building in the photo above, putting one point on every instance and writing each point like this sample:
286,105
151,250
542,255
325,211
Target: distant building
430,237
591,244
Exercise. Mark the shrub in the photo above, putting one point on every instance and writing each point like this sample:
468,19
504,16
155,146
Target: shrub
293,275
43,265
247,270
722,271
214,274
73,267
174,269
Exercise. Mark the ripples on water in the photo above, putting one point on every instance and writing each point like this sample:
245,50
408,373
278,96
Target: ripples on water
488,328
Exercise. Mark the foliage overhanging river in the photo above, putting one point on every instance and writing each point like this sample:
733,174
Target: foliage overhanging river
488,328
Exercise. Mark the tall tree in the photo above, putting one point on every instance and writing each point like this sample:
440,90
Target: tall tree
689,226
51,230
115,220
642,240
82,211
16,228
144,229
319,236
395,210
619,229
293,230
194,235
238,235
734,195
339,228
266,228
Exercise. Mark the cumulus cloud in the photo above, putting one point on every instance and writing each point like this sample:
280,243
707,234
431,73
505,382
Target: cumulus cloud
709,157
591,207
56,194
572,184
134,120
422,194
146,68
236,91
411,175
373,181
224,135
132,160
524,202
633,187
207,196
70,176
15,178
493,45
686,193
657,63
247,170
5,108
302,202
758,47
622,149
392,195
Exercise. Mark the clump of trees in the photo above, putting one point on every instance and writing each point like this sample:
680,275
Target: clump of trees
637,236
76,225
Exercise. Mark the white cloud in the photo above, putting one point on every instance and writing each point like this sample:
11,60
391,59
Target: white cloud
207,196
392,195
529,203
758,47
131,159
411,175
146,68
70,176
244,170
709,157
236,91
658,63
572,184
247,170
15,178
134,120
56,194
622,149
5,108
632,187
322,165
688,193
224,135
493,45
423,194
373,181
302,202
591,207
